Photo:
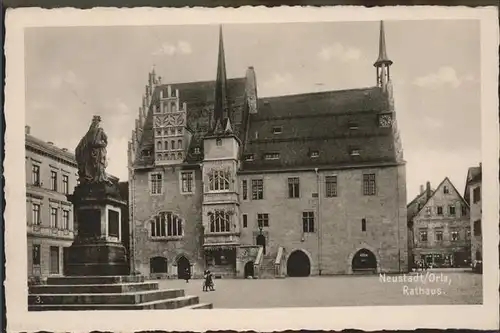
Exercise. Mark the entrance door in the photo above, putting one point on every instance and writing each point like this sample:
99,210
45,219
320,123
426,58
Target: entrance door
183,268
364,261
249,269
298,264
54,260
261,240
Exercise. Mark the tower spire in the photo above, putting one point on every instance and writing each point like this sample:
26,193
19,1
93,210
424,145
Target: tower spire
221,108
383,62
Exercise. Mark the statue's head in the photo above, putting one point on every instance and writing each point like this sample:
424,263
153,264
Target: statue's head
96,119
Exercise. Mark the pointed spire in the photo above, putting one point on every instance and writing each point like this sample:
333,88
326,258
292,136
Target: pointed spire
228,129
382,51
221,104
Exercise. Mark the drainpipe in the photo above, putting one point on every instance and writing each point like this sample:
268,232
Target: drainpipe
318,212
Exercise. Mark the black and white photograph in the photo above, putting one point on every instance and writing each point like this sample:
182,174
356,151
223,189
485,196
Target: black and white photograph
256,165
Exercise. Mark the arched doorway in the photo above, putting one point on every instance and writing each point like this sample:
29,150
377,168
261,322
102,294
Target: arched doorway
261,240
158,265
298,264
364,261
183,268
249,269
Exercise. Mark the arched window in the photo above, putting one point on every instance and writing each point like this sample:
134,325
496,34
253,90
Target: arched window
166,145
166,224
172,144
179,156
220,221
172,156
179,144
218,181
159,146
159,156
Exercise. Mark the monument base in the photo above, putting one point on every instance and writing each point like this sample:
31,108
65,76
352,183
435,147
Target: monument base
108,293
96,259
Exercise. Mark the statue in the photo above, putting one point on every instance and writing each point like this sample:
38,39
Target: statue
91,155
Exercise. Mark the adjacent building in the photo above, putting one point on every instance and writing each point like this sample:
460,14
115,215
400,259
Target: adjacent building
296,185
440,227
473,197
51,174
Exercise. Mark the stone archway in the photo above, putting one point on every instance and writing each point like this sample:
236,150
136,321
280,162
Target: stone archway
364,261
249,269
298,264
183,268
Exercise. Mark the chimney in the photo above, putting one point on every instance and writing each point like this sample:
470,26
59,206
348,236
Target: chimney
27,129
428,190
421,189
480,165
50,143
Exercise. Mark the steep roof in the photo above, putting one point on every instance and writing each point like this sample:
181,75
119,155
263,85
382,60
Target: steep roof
37,145
474,175
320,129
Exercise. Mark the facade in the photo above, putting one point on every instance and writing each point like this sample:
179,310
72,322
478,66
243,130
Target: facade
51,174
295,185
473,197
440,227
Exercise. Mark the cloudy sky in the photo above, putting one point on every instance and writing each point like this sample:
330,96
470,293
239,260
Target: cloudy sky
73,73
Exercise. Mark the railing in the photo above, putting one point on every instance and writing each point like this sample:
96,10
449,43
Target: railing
258,261
278,263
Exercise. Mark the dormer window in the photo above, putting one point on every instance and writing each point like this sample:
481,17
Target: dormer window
272,156
314,154
218,142
277,130
196,150
355,152
353,126
249,157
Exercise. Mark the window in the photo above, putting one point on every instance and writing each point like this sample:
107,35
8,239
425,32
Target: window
439,210
36,214
353,126
179,144
159,145
158,132
354,152
452,210
65,181
446,190
419,206
331,186
263,220
196,150
277,130
464,210
272,156
314,154
476,194
65,220
369,184
218,180
156,183
427,210
293,187
257,189
54,260
477,228
172,144
53,180
423,235
245,220
187,182
454,235
53,217
308,221
439,235
363,224
179,130
35,174
166,145
166,224
244,189
220,221
249,157
36,254
218,142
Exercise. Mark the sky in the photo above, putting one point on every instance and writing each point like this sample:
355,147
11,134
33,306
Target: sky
74,73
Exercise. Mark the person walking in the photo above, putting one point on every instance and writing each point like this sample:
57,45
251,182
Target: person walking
187,274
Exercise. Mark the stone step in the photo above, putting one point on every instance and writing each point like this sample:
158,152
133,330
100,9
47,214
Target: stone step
114,298
93,288
76,280
172,303
198,306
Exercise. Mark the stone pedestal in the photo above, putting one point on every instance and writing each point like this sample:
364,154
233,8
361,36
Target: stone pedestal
97,249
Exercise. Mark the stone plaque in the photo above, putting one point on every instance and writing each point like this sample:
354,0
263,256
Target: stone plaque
113,224
89,223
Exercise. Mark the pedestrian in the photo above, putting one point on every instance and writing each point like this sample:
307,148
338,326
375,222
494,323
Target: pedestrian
205,280
187,275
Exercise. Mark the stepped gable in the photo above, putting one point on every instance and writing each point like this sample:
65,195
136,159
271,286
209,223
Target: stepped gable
200,99
321,122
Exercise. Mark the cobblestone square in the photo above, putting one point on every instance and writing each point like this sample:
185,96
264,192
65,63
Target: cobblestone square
440,288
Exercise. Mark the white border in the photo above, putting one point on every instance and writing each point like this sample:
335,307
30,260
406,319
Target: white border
381,317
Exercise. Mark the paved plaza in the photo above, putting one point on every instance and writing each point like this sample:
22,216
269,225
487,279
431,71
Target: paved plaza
442,287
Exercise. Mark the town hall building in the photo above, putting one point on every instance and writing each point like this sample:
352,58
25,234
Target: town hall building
296,185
